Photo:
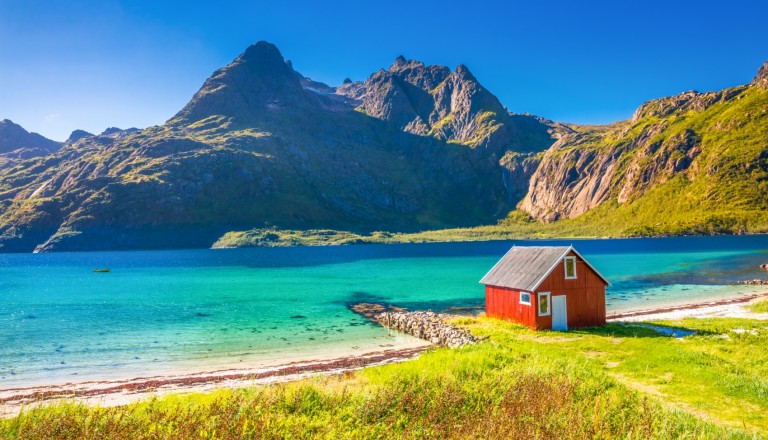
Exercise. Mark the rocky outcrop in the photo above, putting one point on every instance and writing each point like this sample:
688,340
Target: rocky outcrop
118,133
691,101
665,140
451,106
569,181
518,169
761,79
576,175
429,326
77,135
372,311
754,282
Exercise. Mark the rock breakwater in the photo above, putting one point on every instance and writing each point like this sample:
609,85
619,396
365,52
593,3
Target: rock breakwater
429,326
755,282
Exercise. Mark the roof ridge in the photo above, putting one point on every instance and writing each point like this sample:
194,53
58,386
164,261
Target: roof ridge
526,267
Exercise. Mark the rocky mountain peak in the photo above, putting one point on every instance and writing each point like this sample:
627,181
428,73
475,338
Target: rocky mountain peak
401,63
13,137
430,100
110,130
76,136
118,133
265,55
255,84
463,73
762,75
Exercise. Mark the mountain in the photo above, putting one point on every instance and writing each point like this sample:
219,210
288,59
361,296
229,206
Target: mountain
451,106
261,145
16,142
410,148
691,163
76,136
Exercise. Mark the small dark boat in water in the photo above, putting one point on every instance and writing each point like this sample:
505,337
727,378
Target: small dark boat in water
105,270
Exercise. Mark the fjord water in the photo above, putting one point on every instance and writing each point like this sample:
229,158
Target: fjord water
170,311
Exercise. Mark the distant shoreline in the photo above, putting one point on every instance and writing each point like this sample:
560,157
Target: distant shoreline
273,237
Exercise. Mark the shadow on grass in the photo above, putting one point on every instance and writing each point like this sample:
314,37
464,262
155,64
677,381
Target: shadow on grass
639,330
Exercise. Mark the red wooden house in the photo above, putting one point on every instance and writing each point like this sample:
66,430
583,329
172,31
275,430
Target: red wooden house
545,287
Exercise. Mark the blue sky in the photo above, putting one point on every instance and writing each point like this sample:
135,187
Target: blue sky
94,64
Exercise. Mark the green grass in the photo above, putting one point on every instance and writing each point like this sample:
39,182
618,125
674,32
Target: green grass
759,307
619,381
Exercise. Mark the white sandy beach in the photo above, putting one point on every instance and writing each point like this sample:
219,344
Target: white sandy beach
120,392
727,308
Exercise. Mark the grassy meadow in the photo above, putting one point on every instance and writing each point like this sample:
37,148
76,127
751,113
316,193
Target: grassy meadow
620,381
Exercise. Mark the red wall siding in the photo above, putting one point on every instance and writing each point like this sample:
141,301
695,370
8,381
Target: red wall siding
585,299
585,295
503,303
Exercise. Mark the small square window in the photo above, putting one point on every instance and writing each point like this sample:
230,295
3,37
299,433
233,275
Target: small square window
570,268
544,304
525,298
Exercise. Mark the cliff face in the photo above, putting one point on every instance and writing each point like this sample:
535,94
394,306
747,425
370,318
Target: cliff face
570,180
261,145
709,147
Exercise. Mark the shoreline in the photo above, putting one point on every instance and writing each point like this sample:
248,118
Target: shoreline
123,391
254,238
732,307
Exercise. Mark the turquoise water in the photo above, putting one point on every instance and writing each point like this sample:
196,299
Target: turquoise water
164,311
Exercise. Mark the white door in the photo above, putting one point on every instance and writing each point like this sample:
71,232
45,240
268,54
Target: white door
559,313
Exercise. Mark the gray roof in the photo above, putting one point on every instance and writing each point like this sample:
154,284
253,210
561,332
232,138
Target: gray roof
526,267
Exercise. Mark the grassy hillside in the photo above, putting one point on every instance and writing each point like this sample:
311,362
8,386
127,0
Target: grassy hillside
692,163
620,381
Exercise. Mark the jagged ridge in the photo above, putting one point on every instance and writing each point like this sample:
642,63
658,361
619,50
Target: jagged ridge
258,145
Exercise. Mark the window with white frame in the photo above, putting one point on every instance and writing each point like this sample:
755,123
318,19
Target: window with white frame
525,298
570,268
544,305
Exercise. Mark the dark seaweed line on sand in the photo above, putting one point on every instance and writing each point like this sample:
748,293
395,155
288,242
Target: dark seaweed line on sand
142,385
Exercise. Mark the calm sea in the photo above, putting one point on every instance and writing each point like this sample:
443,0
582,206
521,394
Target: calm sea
163,311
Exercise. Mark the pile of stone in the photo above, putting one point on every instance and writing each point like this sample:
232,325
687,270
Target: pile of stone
429,326
755,282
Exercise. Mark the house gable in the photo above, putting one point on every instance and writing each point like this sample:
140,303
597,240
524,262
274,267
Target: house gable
526,267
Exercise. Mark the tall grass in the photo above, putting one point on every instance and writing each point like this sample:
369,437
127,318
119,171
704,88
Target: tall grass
759,307
494,406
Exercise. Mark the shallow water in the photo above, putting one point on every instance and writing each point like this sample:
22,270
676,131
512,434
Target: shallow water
164,311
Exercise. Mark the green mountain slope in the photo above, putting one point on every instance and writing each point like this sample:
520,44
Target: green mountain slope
258,146
691,163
